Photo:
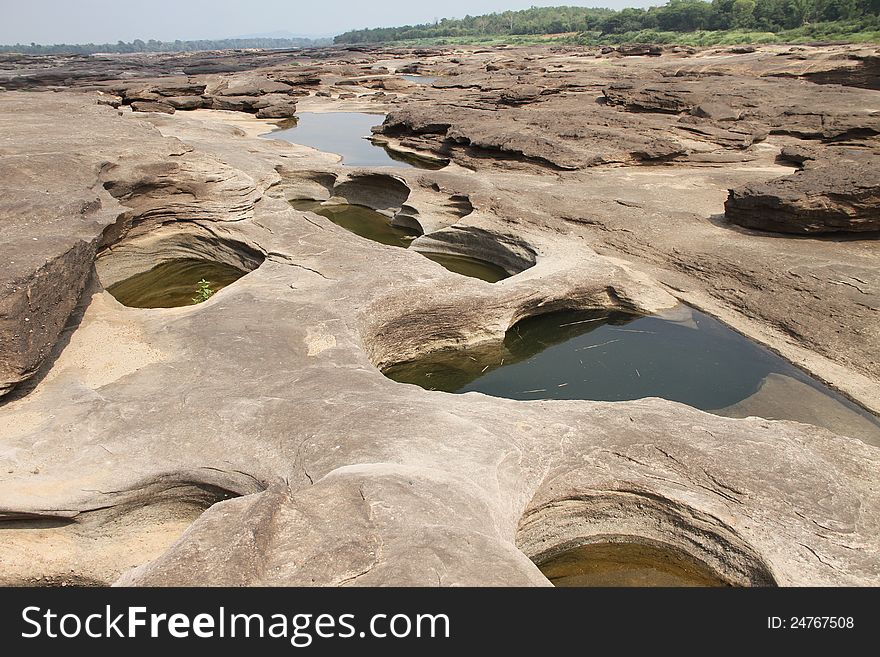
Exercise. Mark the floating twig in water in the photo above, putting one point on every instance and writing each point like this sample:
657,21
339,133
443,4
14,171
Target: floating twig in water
593,346
584,321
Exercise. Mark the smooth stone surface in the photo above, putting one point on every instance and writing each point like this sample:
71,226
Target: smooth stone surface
254,431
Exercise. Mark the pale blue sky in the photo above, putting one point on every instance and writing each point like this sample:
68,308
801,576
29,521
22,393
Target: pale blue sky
101,21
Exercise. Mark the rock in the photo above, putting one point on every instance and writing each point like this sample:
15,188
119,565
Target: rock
799,154
248,85
143,94
390,84
520,94
111,101
741,50
307,78
188,102
294,461
147,106
53,213
716,112
840,195
234,103
561,136
346,95
780,106
323,94
159,89
639,49
277,111
647,97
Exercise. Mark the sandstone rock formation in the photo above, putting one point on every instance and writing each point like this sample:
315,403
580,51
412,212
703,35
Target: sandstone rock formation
840,193
253,439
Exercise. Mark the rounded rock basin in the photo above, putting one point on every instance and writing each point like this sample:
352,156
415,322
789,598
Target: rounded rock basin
369,224
362,221
615,356
627,564
173,283
467,266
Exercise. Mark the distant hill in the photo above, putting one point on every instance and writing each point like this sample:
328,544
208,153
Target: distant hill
165,46
748,19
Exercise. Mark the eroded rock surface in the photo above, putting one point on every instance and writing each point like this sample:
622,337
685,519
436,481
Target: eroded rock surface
252,439
838,193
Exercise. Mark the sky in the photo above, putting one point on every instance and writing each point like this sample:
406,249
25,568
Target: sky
108,21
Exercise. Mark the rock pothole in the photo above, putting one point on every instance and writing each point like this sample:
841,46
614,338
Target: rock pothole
375,206
173,266
94,546
633,538
601,355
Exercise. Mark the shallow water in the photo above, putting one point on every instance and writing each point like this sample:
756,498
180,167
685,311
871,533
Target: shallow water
173,283
367,223
626,564
346,134
362,221
467,266
616,356
420,79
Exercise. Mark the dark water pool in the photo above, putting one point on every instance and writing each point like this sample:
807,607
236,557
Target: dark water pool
369,224
362,221
467,266
615,356
173,283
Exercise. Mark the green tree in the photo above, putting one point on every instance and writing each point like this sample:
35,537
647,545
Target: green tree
744,14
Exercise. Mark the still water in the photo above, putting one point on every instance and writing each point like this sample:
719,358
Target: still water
420,79
173,283
367,223
615,356
362,221
347,134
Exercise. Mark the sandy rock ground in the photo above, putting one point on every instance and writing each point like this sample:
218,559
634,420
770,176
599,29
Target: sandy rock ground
252,439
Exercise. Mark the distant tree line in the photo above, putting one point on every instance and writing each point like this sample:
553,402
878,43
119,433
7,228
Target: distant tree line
675,16
161,46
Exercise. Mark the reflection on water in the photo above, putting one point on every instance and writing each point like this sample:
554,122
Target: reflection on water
420,79
173,283
616,356
366,222
361,221
627,564
347,134
467,266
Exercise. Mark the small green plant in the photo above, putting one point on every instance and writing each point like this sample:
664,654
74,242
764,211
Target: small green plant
203,291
